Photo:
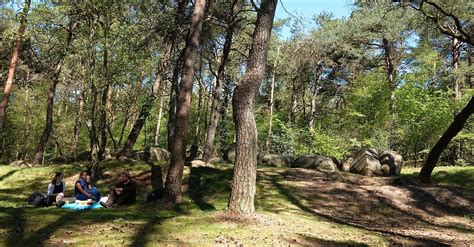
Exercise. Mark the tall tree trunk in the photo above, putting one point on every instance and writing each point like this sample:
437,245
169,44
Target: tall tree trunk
223,114
294,103
174,88
216,94
38,157
469,76
91,122
197,128
13,63
158,122
391,67
78,120
106,92
456,50
245,168
146,107
453,129
314,97
270,118
178,149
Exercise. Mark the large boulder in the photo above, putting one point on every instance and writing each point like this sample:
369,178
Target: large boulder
67,159
155,154
216,159
83,156
229,153
20,163
346,165
275,160
391,162
315,162
366,162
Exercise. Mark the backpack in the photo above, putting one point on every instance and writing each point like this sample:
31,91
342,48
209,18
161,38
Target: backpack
155,195
38,199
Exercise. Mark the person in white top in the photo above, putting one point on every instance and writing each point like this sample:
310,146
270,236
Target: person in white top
56,190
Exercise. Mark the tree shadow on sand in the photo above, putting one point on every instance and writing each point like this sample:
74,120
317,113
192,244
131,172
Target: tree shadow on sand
366,208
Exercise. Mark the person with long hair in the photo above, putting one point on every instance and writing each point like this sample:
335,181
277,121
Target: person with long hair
56,190
83,189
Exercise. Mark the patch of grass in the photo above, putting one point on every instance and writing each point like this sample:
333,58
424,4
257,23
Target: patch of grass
284,214
454,176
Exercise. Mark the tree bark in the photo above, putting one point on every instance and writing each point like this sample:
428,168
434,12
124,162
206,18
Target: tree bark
197,129
216,94
456,53
106,91
455,127
223,114
469,76
158,122
91,122
178,149
242,197
270,118
79,115
13,63
38,157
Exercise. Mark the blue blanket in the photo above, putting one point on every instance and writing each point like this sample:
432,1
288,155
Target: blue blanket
79,207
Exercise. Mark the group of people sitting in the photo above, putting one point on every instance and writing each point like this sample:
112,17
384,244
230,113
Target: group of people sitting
123,193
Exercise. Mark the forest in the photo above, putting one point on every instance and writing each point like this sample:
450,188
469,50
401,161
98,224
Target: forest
227,115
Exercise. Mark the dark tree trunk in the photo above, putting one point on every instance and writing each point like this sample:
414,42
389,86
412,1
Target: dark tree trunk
223,114
174,88
216,94
245,168
156,134
13,63
453,129
197,129
91,122
38,157
456,53
79,116
178,149
469,76
105,99
270,117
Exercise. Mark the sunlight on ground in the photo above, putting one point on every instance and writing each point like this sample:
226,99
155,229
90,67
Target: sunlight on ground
285,214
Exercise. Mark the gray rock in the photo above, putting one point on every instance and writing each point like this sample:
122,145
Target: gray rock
20,163
314,162
346,165
83,156
216,159
63,160
155,154
273,160
391,162
366,162
229,153
328,165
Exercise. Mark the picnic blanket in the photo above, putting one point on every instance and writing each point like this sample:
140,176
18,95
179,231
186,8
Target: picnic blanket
79,207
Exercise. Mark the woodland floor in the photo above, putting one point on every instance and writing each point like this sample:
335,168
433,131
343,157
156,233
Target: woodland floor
294,207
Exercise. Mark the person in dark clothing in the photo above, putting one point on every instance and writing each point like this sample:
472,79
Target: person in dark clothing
56,189
123,193
83,189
